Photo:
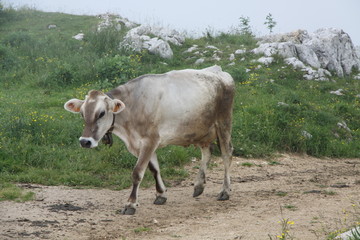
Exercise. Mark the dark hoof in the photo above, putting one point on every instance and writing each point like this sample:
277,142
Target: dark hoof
223,196
198,190
127,211
160,200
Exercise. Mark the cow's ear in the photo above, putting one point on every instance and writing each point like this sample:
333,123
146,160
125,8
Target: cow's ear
73,105
118,106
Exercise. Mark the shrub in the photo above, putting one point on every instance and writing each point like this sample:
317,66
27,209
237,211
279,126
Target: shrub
16,39
7,59
62,75
118,69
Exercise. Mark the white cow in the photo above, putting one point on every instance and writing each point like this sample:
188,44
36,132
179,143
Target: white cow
152,111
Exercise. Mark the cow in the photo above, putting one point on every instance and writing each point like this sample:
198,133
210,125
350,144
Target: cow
180,107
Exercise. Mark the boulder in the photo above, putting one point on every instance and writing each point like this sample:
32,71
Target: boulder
138,39
330,49
109,20
265,60
334,49
159,47
296,63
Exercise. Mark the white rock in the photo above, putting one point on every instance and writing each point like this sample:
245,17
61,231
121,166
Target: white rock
212,47
306,134
79,36
191,49
160,47
343,125
232,57
334,50
215,57
199,61
265,60
240,51
116,21
51,26
138,38
297,36
330,49
337,92
296,63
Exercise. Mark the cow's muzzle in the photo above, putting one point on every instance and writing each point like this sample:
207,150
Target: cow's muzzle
87,142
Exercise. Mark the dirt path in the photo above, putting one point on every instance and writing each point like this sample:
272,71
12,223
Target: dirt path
318,195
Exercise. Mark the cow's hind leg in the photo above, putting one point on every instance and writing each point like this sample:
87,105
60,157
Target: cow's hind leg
200,178
160,186
224,137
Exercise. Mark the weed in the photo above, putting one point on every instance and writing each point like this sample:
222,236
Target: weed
247,164
290,207
142,229
273,163
286,225
329,193
281,194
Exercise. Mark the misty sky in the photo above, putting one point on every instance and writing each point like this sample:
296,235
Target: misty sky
197,16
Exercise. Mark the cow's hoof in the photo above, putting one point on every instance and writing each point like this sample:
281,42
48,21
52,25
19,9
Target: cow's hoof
127,211
223,196
198,190
160,200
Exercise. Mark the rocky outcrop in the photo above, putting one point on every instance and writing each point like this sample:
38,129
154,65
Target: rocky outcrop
154,39
316,53
116,21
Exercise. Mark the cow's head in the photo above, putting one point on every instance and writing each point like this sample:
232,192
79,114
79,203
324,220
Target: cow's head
98,112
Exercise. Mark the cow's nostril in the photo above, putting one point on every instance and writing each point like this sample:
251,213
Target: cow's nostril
85,143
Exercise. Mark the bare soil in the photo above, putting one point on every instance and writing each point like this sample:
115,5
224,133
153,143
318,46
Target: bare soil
318,195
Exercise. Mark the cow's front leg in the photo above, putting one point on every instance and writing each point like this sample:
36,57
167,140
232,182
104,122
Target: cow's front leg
146,152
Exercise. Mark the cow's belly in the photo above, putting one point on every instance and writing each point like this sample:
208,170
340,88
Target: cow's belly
195,135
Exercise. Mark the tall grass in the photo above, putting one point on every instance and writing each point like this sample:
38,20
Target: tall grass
274,111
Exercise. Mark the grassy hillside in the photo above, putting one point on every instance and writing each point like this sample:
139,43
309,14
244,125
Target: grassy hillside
41,68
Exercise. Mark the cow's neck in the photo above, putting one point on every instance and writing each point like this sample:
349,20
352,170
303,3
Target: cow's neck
107,139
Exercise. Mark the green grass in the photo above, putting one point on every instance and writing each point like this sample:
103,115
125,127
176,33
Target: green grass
42,68
12,192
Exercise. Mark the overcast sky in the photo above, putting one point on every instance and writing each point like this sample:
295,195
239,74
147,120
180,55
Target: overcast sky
195,16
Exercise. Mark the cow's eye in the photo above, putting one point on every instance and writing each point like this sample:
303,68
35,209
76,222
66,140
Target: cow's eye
101,114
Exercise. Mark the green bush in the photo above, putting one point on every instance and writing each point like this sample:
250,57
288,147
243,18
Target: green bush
8,59
118,69
16,39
